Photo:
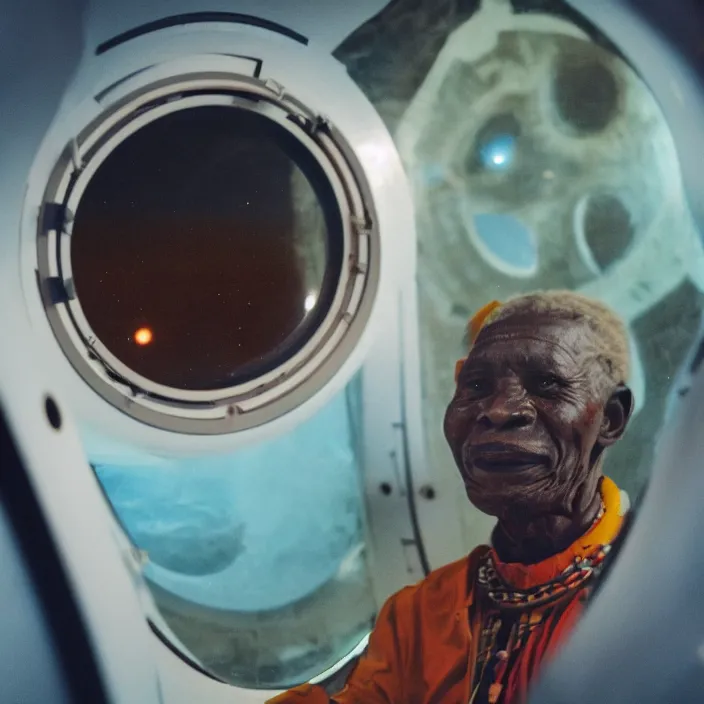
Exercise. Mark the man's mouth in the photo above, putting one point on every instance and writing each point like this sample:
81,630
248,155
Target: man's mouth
504,458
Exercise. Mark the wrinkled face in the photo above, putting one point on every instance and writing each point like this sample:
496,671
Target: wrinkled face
525,425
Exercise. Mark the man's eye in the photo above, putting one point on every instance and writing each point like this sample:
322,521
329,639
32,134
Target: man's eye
546,382
476,385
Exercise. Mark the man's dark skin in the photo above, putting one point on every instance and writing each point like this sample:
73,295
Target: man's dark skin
532,414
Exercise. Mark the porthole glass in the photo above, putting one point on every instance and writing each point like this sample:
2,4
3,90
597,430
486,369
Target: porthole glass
189,254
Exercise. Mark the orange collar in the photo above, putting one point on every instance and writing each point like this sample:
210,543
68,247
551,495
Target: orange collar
601,533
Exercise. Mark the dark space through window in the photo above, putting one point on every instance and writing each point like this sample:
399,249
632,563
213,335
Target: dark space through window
206,249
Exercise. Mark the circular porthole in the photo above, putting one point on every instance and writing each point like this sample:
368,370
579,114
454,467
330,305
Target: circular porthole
604,230
586,93
208,253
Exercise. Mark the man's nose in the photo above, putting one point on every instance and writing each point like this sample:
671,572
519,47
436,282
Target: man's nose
507,411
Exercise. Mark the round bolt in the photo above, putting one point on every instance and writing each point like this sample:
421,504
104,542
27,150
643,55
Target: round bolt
427,492
385,488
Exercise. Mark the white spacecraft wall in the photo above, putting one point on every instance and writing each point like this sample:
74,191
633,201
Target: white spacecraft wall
402,544
393,539
325,23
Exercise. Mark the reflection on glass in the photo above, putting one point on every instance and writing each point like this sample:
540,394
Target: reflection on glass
257,560
209,229
497,143
539,160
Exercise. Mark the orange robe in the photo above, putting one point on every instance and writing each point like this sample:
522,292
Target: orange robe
476,630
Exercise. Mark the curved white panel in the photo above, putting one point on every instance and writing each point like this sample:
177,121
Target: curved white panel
111,596
322,22
304,71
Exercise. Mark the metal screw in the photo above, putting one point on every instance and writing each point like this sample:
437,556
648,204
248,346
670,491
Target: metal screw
427,492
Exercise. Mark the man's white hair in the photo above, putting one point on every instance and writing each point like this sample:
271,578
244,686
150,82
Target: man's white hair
608,346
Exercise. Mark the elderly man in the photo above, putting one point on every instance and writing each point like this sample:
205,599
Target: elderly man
538,400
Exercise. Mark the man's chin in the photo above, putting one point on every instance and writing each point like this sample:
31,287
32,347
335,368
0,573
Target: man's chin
500,506
496,494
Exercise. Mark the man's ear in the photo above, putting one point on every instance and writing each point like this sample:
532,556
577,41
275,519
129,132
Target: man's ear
617,413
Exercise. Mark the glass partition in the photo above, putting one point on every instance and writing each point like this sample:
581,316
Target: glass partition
538,159
257,560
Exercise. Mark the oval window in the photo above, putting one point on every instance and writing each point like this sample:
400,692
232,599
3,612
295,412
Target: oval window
257,560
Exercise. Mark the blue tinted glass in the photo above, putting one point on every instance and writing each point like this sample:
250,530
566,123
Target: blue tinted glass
269,529
508,240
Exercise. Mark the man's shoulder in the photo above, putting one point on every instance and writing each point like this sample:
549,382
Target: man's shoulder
446,585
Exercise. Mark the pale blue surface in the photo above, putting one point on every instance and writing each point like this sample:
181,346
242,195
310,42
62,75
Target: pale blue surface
508,240
252,531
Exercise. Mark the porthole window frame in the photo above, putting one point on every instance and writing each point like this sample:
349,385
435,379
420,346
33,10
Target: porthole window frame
257,401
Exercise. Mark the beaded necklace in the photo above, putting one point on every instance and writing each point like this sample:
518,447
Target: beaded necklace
507,600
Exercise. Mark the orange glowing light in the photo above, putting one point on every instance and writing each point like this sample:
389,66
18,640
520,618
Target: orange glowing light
143,336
